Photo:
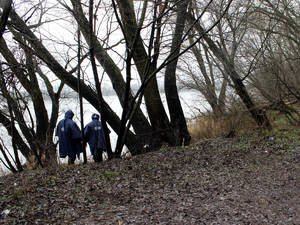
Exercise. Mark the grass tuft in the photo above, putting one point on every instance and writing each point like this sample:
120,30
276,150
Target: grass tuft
236,123
230,124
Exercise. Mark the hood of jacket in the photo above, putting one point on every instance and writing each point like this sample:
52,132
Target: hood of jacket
95,116
69,114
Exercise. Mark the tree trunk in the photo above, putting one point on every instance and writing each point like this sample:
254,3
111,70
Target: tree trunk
8,162
140,123
37,138
25,150
6,6
258,115
71,81
157,114
178,121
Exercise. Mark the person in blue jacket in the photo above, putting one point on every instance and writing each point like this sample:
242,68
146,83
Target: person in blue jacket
94,135
69,138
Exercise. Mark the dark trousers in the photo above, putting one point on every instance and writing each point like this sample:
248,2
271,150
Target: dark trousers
70,161
98,157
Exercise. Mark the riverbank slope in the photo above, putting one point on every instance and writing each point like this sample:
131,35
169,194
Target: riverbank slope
252,179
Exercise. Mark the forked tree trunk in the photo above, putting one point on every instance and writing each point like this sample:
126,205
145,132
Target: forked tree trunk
157,114
140,123
178,122
132,141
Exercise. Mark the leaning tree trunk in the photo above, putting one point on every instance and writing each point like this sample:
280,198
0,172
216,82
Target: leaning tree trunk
157,114
6,7
140,123
258,115
25,150
96,80
178,121
132,141
37,138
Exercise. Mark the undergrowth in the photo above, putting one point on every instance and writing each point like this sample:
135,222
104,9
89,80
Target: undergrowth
238,123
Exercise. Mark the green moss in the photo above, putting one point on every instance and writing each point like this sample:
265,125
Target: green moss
53,178
170,165
187,158
280,140
152,165
111,174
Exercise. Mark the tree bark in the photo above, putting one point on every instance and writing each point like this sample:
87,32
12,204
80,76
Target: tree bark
178,122
140,123
31,86
258,115
96,80
71,81
157,114
5,14
26,152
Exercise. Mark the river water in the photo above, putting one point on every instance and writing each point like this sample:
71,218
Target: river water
191,101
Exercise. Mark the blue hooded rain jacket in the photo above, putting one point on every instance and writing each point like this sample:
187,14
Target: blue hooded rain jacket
69,137
94,135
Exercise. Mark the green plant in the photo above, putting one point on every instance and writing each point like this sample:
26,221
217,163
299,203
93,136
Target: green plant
187,158
111,174
153,165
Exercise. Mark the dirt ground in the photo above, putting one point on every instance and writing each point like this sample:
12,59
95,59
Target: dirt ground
243,180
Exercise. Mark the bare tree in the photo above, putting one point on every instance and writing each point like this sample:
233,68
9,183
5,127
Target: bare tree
275,76
228,61
21,79
208,77
145,55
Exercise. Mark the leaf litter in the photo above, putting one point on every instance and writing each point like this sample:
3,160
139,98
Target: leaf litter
249,180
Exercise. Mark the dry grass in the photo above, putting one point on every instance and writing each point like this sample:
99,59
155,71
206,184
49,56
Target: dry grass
236,122
2,172
230,124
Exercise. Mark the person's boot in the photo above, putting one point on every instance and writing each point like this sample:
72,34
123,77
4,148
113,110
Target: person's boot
71,161
96,158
